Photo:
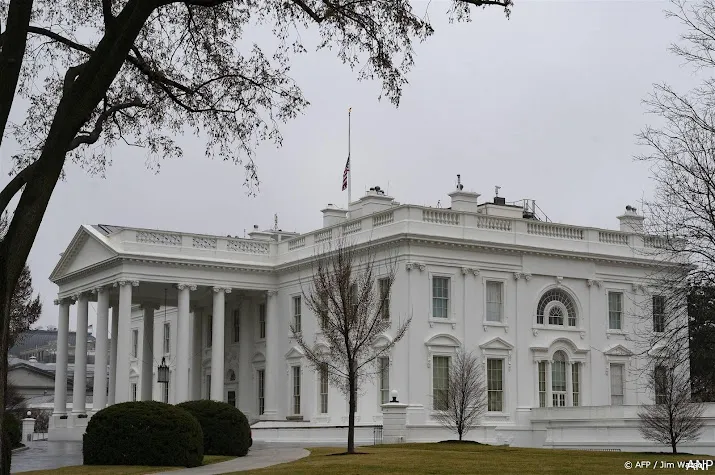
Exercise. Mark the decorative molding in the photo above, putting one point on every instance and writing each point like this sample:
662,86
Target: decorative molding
582,335
98,289
191,287
271,293
133,283
525,275
222,289
415,265
470,270
592,282
636,287
535,331
559,280
57,301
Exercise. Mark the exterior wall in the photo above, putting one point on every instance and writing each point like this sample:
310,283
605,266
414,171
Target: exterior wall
30,383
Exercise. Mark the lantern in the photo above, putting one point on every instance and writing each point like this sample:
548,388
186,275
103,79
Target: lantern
163,372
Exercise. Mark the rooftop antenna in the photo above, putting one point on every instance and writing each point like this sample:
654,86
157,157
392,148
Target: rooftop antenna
460,187
275,222
496,190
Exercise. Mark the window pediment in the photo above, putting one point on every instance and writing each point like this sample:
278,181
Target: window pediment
294,353
259,358
443,340
382,341
497,344
618,350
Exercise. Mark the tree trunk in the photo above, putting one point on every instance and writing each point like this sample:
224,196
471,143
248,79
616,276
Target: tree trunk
459,432
5,448
351,416
674,444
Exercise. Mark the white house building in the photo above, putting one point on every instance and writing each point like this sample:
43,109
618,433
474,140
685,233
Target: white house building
548,307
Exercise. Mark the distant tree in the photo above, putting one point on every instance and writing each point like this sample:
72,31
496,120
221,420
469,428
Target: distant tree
15,401
349,304
97,73
674,417
462,404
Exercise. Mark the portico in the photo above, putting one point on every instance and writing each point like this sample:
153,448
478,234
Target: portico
208,315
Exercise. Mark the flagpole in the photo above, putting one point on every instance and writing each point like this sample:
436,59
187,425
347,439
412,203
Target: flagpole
350,169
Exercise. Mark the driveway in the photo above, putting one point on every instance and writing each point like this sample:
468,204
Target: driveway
45,455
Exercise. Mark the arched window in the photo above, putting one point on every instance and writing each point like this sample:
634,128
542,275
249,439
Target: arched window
558,379
558,306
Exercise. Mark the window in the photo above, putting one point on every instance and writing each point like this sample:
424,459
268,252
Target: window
296,389
616,384
495,385
384,285
135,343
440,382
324,388
495,306
384,363
210,331
558,306
262,320
232,398
558,379
296,314
661,384
165,393
261,391
658,313
134,391
575,383
615,310
440,297
167,338
542,383
208,386
236,326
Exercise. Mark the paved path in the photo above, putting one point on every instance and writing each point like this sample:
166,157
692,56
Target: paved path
44,455
256,458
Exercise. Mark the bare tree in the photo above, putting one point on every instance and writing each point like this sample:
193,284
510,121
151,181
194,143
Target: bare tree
460,406
680,217
350,305
141,72
675,417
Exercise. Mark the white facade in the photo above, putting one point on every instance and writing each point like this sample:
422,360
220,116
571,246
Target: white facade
530,297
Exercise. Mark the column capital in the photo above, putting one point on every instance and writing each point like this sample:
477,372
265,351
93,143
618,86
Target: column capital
226,290
150,305
271,293
79,295
65,301
98,289
183,286
133,283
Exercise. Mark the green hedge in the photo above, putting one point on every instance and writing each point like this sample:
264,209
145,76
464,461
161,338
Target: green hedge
143,433
13,429
226,430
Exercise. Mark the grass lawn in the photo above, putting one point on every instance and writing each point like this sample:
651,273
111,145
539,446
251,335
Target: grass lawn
120,469
474,459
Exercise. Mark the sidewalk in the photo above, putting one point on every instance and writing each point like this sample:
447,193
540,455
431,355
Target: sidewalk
256,458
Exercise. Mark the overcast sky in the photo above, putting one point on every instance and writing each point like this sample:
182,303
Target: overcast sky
545,105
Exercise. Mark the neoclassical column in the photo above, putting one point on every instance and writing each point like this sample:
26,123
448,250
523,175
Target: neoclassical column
569,385
79,383
124,324
183,347
549,390
272,357
99,393
113,355
63,325
218,343
247,389
196,353
147,364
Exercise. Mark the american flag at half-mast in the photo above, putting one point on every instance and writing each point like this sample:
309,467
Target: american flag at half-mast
345,174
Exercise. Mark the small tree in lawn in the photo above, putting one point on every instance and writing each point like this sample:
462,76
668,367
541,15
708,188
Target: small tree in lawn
460,406
352,310
675,417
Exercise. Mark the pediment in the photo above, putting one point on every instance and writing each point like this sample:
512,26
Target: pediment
443,339
618,350
294,353
258,358
85,250
321,348
497,344
382,340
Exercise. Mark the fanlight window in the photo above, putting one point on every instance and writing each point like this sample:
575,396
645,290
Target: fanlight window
558,306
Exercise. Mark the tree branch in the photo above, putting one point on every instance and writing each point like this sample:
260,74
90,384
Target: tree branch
15,185
93,136
107,14
14,43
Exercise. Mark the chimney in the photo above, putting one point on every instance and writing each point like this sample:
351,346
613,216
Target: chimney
375,200
631,221
333,215
463,200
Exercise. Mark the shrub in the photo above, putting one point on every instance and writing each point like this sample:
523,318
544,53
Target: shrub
143,433
13,429
226,430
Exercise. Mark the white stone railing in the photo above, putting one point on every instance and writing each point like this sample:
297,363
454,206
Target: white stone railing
613,237
350,228
323,236
493,222
197,242
555,230
654,241
383,219
248,246
158,237
296,243
440,217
